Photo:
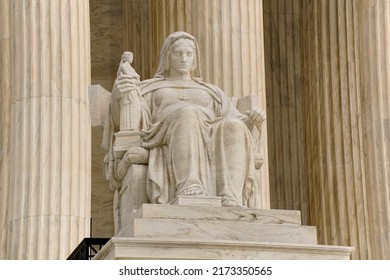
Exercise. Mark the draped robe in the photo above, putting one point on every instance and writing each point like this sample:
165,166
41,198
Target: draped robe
197,139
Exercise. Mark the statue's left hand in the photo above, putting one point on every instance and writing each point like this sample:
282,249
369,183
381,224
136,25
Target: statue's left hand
256,118
122,85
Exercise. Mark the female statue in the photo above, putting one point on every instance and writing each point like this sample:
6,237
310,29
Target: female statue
199,143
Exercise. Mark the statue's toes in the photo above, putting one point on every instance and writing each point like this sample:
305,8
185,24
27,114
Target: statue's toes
194,191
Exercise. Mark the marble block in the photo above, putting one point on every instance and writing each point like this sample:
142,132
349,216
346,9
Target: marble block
195,200
231,214
161,231
146,248
99,101
218,223
124,140
223,230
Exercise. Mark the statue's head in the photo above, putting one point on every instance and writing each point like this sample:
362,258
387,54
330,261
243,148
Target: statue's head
176,43
127,56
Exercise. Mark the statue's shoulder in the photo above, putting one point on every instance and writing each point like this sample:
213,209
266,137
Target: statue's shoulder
214,90
150,85
151,81
212,87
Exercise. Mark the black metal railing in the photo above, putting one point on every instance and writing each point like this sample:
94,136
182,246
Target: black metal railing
88,248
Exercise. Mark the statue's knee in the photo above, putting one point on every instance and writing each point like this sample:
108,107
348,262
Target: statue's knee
233,126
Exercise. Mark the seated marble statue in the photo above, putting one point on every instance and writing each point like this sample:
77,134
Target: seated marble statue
199,143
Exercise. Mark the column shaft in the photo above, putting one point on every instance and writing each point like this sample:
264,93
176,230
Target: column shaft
49,205
230,37
282,32
374,24
333,124
5,111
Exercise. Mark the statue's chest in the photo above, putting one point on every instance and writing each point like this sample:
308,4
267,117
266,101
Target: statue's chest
170,96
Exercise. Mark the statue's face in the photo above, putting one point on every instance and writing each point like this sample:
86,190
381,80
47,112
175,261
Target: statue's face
181,57
128,58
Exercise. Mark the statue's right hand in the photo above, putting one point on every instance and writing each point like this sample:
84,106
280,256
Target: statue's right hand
122,85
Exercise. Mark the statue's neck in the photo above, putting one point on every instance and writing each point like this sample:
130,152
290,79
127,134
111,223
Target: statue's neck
178,80
175,76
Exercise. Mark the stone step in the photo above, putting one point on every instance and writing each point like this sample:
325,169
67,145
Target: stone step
223,230
126,248
184,200
209,213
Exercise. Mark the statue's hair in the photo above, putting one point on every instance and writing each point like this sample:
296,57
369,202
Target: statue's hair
127,54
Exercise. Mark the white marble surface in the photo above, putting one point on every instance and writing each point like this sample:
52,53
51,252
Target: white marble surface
99,101
223,230
49,153
146,248
218,223
230,214
197,201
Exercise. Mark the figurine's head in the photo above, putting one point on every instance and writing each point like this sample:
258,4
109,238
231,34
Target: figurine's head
127,56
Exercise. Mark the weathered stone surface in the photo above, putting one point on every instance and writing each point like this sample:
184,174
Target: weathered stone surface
223,230
121,248
230,214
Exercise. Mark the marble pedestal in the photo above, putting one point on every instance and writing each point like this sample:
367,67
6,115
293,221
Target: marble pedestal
192,231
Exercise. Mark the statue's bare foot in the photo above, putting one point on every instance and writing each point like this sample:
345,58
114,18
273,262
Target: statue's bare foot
193,191
228,203
231,203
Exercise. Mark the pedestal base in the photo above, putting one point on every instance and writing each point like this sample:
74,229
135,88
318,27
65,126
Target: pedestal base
125,140
158,231
125,248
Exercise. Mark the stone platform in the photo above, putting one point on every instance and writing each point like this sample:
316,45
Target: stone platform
197,230
125,248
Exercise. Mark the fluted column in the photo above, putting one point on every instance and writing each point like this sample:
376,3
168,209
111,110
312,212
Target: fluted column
334,138
282,32
374,23
49,206
5,109
230,37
